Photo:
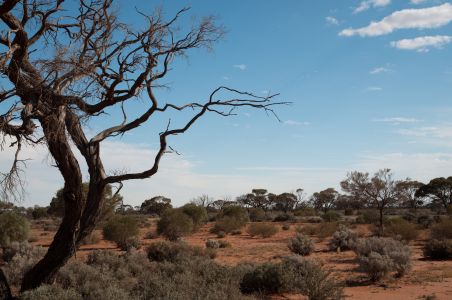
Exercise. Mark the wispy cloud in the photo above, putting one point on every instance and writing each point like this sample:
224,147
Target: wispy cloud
296,123
418,1
332,20
240,67
423,18
365,5
396,120
422,44
379,70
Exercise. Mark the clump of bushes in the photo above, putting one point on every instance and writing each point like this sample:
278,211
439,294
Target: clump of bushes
262,229
331,216
322,230
283,217
93,238
380,256
123,230
399,228
213,244
198,214
343,239
174,224
286,226
231,218
293,274
301,245
13,228
442,230
51,292
438,249
368,217
257,215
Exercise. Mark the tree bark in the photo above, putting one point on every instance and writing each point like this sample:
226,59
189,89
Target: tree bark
64,243
5,291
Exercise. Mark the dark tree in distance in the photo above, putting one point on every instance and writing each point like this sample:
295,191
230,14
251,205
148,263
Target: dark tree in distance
439,190
408,193
63,66
325,200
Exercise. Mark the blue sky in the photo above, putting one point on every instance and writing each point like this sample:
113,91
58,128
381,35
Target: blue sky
365,96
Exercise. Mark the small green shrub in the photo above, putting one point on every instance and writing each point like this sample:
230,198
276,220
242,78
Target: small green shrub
174,224
228,224
224,244
198,214
236,232
257,215
262,229
438,249
442,230
380,256
399,228
343,239
122,230
368,217
301,245
13,228
284,217
264,279
331,216
221,234
305,212
286,226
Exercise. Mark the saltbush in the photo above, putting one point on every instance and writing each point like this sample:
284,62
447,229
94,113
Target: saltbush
263,230
257,215
438,249
368,217
51,292
231,218
283,217
301,244
174,251
122,230
343,239
13,228
286,226
174,224
380,256
213,244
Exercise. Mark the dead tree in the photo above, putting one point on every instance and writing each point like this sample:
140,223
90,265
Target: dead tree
63,66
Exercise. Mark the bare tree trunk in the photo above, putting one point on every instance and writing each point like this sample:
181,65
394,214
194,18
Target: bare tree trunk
5,292
64,243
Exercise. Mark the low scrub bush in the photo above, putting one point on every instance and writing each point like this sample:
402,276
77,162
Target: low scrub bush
221,234
305,212
438,249
293,274
380,256
228,224
93,238
174,224
343,239
13,228
286,226
224,244
442,230
368,217
331,216
301,245
283,217
426,221
263,230
51,292
257,215
314,219
322,230
213,244
349,212
122,230
399,228
174,251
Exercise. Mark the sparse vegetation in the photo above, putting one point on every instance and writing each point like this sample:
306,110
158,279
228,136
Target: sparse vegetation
13,228
343,239
123,231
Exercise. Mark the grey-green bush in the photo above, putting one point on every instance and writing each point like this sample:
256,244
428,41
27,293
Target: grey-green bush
343,239
14,228
301,245
380,256
198,214
51,292
438,249
263,230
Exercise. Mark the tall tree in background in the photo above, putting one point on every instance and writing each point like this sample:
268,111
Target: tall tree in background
65,65
325,200
408,193
379,191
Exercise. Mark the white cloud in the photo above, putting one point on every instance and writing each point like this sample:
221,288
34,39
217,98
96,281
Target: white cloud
240,67
423,18
422,44
396,120
365,5
296,123
332,20
374,88
379,70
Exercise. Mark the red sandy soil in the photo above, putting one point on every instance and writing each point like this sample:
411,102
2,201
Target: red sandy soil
427,278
